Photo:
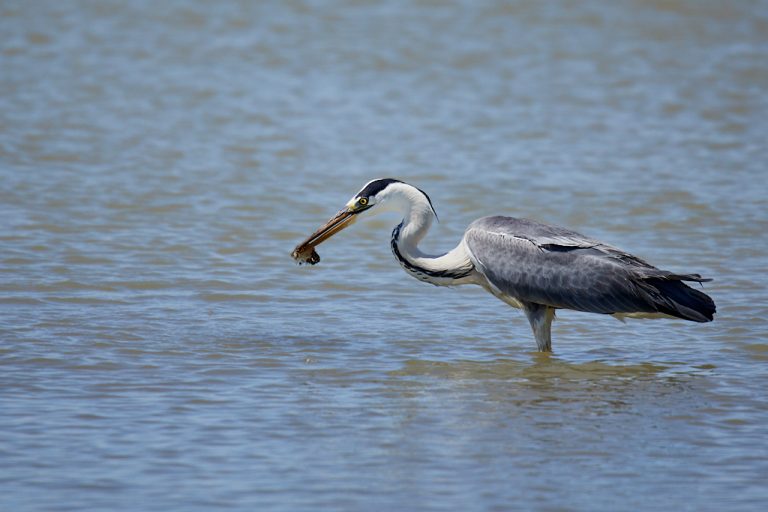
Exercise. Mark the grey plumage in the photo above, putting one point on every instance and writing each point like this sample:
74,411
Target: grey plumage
538,263
529,265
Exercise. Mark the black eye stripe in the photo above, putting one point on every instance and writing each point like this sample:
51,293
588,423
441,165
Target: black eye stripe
376,186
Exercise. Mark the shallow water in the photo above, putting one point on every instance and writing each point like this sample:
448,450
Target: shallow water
160,350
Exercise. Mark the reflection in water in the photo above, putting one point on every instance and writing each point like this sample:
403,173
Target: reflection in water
566,425
555,382
543,368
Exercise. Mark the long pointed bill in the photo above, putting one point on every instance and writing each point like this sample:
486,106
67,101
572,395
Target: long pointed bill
305,251
338,222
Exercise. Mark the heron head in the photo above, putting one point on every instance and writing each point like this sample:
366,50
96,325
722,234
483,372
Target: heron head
375,192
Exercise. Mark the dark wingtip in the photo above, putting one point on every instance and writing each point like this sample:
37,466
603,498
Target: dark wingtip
678,299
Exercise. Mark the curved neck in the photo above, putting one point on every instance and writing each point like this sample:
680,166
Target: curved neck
453,267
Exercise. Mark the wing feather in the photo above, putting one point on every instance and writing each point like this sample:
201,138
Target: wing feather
545,264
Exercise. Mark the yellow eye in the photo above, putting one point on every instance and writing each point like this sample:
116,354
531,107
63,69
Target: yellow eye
363,201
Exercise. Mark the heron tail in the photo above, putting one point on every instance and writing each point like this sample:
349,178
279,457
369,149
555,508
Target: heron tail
670,295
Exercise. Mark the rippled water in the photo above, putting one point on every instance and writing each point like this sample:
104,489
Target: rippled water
160,351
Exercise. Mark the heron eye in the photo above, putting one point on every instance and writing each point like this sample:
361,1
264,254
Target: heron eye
363,201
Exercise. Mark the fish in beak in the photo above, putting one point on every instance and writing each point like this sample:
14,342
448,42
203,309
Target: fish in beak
305,251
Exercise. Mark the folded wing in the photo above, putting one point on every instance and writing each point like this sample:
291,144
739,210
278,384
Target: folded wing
544,264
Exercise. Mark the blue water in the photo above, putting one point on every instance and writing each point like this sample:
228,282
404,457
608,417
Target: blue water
159,350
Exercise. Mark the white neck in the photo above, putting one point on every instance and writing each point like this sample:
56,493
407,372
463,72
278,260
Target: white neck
451,268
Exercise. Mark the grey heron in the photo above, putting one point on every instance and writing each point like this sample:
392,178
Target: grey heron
530,265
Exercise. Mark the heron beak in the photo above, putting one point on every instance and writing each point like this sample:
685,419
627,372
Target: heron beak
343,219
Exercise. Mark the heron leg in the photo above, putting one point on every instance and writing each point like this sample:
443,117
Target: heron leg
541,317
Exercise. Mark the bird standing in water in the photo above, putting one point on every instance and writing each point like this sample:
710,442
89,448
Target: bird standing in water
533,266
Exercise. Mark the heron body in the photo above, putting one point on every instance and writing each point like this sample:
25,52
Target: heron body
530,265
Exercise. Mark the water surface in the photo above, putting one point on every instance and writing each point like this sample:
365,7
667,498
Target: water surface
160,351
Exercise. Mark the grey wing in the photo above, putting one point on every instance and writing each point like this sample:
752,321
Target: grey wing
545,264
551,237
